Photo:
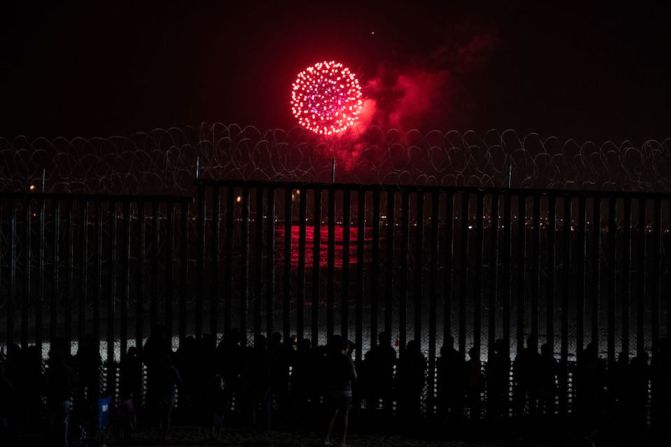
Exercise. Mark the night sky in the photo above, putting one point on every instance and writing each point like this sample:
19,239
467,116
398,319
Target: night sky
597,72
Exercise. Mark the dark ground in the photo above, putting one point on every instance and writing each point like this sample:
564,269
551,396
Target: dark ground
196,436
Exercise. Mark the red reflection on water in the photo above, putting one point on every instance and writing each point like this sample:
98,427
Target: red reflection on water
338,237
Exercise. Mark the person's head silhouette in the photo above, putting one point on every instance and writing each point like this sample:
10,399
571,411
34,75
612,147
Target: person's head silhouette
500,346
384,339
532,343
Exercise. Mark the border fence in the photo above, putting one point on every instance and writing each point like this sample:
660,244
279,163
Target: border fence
316,259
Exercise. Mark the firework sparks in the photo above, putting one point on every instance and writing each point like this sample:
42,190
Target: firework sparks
326,98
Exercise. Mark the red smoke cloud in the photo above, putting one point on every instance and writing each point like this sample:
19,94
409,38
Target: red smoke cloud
419,95
428,92
402,98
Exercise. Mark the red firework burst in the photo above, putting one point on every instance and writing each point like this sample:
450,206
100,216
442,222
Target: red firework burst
326,98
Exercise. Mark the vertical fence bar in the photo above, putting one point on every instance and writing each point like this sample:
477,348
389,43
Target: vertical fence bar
550,291
286,322
596,268
374,273
99,265
626,273
141,277
521,276
259,284
668,297
300,292
330,276
39,335
389,264
494,281
640,312
447,277
125,267
580,283
463,261
83,298
270,262
200,261
316,255
419,269
155,256
506,295
612,270
565,310
216,253
70,259
11,302
27,286
184,267
360,240
170,268
244,252
3,255
477,286
228,257
433,298
344,317
403,295
656,255
535,261
111,301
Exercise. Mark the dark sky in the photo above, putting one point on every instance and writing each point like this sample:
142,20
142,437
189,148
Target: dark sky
596,72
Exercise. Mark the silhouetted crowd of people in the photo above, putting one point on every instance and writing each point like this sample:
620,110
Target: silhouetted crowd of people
289,383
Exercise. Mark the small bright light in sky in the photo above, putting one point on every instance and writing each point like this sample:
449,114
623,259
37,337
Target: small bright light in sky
326,98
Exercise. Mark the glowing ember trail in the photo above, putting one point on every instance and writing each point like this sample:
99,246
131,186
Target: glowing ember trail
326,98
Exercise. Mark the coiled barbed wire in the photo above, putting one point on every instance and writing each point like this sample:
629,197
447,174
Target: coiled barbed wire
164,160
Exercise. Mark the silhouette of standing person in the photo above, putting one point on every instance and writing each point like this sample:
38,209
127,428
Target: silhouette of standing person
525,376
410,379
205,372
32,383
474,382
547,376
282,359
661,392
498,380
221,402
162,379
588,386
618,378
88,363
13,373
61,381
639,374
8,406
130,389
450,366
186,359
230,364
258,384
340,375
301,379
382,361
